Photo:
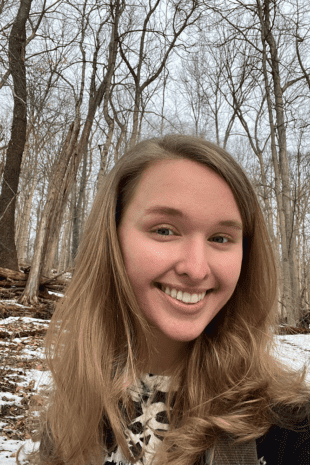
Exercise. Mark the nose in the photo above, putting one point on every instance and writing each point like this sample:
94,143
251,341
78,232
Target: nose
194,259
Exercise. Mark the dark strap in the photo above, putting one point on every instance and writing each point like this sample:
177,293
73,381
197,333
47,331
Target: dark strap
228,452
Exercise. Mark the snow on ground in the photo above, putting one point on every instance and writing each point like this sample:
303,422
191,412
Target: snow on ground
22,361
294,350
22,376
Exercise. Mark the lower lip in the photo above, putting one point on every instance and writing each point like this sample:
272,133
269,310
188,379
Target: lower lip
180,306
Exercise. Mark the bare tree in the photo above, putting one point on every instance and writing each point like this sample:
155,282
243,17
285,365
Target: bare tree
66,167
33,26
183,16
17,43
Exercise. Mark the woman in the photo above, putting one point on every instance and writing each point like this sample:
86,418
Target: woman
161,351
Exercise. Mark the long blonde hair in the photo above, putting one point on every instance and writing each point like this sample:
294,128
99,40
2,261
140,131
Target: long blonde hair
228,383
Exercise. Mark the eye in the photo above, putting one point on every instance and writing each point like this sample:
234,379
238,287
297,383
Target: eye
221,239
163,228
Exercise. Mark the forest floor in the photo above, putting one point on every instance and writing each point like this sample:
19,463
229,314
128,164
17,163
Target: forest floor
24,376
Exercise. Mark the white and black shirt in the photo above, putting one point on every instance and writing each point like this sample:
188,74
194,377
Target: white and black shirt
151,414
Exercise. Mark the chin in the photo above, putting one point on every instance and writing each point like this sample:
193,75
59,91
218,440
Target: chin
183,336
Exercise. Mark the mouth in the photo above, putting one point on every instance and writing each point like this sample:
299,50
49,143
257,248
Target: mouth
180,303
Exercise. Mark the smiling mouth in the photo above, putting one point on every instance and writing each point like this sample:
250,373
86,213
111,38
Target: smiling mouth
160,287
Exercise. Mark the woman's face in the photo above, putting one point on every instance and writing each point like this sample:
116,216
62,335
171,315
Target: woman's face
197,247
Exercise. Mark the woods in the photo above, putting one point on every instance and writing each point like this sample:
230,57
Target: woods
81,82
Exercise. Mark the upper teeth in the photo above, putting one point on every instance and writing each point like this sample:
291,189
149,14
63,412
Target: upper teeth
184,296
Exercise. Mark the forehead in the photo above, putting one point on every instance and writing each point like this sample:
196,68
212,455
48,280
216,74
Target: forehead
184,184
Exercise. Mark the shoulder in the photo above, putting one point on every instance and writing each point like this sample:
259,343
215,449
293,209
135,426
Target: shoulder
288,440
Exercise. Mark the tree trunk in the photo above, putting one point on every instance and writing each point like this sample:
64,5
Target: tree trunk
17,43
81,200
281,282
54,232
135,119
119,142
104,155
305,268
23,194
24,226
75,225
63,248
50,257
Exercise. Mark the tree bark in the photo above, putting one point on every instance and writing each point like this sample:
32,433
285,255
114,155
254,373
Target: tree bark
63,247
105,150
81,199
24,226
17,43
75,225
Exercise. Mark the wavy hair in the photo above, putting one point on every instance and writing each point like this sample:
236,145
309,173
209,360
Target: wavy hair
229,381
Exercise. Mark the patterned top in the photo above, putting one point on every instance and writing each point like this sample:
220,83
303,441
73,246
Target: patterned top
151,413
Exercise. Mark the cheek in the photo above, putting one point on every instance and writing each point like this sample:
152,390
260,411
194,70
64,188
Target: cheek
142,259
147,250
229,268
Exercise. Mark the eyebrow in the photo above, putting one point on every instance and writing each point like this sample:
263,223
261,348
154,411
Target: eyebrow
163,210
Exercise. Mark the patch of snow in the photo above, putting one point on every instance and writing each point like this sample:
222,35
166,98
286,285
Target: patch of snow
294,350
11,399
19,319
56,293
7,456
13,302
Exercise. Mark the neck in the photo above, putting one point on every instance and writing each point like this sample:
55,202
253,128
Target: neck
165,356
